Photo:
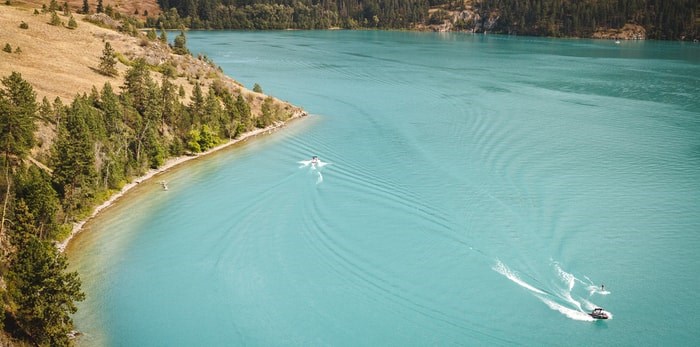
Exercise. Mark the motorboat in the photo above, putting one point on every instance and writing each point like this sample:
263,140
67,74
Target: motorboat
599,313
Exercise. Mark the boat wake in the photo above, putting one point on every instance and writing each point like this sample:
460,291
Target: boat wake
315,165
564,296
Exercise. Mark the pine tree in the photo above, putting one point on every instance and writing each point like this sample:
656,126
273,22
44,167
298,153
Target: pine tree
74,174
163,35
152,34
53,6
17,119
108,61
86,7
196,106
99,8
35,191
180,44
43,293
244,113
72,24
136,83
55,20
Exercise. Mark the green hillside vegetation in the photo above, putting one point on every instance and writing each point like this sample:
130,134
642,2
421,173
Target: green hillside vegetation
59,159
668,20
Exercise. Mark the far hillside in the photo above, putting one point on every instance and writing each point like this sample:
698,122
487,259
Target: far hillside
624,19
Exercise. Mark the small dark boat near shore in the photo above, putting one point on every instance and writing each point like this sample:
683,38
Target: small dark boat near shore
599,313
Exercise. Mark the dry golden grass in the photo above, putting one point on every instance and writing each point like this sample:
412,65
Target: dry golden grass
57,61
60,62
128,7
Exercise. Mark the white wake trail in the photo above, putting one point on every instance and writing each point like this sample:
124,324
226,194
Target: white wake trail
513,276
562,300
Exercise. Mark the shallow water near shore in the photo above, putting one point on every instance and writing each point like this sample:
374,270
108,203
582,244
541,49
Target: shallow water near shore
479,190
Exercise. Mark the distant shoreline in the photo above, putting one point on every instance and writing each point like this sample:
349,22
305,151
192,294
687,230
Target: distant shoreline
169,164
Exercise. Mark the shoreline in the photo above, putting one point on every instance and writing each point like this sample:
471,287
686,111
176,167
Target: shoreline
169,164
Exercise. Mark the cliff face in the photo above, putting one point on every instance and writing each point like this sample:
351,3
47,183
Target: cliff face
628,32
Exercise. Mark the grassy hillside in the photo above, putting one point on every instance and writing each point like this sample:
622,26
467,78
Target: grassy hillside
126,7
62,62
71,136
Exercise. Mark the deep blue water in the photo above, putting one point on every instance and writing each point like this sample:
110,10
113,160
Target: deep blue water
480,190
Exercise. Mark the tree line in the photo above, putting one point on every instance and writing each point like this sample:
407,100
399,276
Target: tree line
663,20
667,20
291,14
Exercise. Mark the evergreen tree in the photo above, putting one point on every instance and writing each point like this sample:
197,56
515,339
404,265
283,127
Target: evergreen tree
86,7
7,48
152,34
108,61
196,106
136,83
113,170
170,102
55,20
42,292
72,24
17,117
35,191
180,44
257,88
75,175
99,8
163,35
212,113
268,113
45,111
245,113
53,6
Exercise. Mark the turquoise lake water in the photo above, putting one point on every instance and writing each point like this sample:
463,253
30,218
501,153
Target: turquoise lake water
479,191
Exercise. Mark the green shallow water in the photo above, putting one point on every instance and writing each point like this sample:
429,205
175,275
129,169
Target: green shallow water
479,191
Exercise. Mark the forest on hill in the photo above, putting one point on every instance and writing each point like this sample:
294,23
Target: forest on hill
60,156
667,20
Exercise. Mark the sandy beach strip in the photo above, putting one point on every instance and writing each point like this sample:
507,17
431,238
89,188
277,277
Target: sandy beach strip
169,164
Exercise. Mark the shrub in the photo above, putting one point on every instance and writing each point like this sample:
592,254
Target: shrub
257,88
18,50
7,48
23,25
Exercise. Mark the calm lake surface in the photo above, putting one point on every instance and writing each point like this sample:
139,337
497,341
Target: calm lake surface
479,191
